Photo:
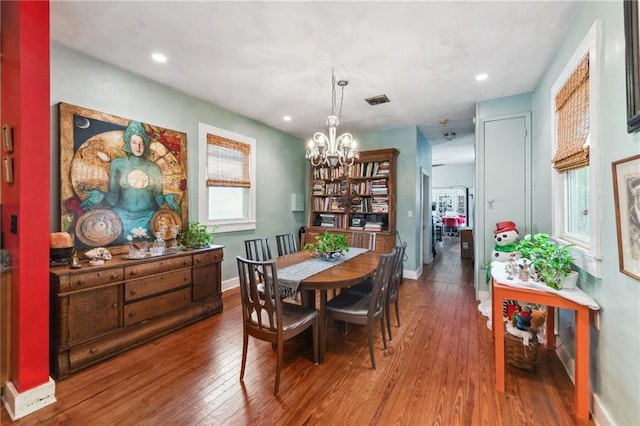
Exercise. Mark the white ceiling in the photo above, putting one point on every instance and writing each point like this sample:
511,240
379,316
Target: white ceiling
267,59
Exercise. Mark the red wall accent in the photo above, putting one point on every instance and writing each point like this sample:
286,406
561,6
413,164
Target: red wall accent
26,107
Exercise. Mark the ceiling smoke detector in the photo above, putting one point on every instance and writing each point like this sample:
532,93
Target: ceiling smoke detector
450,136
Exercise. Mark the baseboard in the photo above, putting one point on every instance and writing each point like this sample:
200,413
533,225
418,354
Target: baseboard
19,405
231,283
414,275
483,295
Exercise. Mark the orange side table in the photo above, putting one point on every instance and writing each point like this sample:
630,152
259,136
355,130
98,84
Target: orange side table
500,292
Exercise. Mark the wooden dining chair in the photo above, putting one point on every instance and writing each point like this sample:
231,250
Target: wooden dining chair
267,318
392,292
257,249
286,244
363,240
354,308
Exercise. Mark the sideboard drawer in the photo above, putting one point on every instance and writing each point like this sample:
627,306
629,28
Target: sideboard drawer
143,269
94,279
156,306
137,289
207,258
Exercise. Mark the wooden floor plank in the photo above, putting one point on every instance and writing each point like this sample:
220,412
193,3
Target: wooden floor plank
439,371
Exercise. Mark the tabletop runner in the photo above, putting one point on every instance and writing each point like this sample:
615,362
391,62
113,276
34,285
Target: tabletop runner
289,277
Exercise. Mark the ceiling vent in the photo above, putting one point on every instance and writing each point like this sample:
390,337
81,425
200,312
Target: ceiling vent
377,100
450,136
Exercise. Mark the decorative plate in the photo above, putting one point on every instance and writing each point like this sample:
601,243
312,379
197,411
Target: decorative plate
98,227
165,217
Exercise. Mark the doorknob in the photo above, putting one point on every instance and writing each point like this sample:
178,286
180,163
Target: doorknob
490,203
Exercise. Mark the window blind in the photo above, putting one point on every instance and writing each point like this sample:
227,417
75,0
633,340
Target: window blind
572,109
227,162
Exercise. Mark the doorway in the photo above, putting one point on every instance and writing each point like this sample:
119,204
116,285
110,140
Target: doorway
426,224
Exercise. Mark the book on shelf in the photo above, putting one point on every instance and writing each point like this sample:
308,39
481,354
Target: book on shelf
373,226
357,228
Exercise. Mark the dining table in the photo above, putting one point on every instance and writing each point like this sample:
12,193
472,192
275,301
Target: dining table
338,274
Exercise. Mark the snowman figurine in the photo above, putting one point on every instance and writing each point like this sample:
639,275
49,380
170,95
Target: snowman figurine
505,237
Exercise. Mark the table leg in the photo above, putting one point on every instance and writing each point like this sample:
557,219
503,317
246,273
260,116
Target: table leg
498,327
581,371
323,301
551,328
494,316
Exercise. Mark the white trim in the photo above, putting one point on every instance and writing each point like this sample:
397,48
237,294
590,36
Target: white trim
203,204
601,416
587,257
22,404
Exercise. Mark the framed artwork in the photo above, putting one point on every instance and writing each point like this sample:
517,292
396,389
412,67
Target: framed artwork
626,192
119,178
632,55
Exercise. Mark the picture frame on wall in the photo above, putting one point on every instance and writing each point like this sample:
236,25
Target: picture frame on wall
120,179
632,56
626,192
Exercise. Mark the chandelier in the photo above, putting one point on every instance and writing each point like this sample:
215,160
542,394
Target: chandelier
331,150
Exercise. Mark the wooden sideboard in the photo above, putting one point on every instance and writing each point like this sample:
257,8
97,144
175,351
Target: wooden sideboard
100,311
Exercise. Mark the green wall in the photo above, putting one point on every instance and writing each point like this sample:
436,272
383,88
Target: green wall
415,152
615,347
281,170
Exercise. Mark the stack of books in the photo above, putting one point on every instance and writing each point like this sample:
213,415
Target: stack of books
327,220
373,226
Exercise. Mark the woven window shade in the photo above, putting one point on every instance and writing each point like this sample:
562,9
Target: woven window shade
572,108
227,162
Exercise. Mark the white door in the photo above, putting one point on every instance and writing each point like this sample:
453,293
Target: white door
505,179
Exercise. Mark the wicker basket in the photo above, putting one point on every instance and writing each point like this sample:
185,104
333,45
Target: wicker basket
519,355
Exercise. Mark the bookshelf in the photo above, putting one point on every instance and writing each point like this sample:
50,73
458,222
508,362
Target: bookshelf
360,197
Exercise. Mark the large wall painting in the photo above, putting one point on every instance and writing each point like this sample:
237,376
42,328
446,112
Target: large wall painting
118,175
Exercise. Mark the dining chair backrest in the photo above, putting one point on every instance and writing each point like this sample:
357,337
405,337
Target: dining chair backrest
260,314
381,281
257,249
286,244
364,240
396,276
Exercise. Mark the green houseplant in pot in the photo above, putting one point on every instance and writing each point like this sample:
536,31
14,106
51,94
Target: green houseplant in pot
197,235
328,246
550,262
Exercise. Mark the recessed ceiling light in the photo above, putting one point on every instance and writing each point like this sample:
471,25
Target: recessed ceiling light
159,57
286,118
481,77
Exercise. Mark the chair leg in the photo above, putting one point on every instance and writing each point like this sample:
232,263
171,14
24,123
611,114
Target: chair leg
384,339
245,343
315,331
387,315
278,366
373,357
397,312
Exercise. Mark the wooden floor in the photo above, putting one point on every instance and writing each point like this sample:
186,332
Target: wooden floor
440,372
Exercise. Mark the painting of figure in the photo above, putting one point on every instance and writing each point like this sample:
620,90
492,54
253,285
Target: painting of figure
118,175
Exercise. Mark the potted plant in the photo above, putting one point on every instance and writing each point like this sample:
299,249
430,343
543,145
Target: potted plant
550,262
197,235
328,246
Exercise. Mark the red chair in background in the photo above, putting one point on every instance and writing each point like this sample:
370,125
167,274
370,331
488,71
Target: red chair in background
450,226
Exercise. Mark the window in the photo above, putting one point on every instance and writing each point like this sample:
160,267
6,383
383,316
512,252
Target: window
575,182
226,192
